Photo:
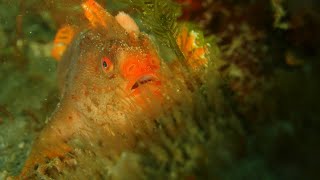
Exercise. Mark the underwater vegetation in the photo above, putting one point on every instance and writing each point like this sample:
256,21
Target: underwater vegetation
223,89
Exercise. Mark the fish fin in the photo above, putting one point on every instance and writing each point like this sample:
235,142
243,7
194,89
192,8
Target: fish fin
94,13
61,41
39,157
195,52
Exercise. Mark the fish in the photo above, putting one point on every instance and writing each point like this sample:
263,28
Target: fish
108,70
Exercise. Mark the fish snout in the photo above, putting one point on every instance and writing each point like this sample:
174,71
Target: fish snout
140,71
134,66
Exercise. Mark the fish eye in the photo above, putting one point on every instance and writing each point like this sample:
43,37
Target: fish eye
106,64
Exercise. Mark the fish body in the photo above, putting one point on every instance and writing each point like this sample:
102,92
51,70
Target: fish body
106,69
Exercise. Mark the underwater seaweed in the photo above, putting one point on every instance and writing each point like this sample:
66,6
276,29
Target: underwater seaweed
160,17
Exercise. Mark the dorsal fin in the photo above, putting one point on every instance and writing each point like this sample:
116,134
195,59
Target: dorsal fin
96,14
61,41
102,20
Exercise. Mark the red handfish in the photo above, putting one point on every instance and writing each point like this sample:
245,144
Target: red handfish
104,69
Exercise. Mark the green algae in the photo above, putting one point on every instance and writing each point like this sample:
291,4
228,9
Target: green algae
28,86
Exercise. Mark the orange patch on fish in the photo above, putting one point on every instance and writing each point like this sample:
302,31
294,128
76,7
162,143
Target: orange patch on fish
194,51
94,13
61,41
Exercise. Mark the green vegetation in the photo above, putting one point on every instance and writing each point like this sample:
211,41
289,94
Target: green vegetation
160,17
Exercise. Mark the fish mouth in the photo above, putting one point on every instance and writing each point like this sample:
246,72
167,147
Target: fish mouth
145,79
150,81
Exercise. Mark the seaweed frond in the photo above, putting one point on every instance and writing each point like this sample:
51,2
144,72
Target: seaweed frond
160,17
279,14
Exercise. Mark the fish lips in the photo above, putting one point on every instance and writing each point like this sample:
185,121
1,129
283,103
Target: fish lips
150,81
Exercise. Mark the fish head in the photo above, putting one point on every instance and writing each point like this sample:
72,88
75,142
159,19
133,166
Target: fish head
110,64
129,65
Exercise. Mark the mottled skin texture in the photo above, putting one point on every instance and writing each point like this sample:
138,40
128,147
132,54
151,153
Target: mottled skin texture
92,96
